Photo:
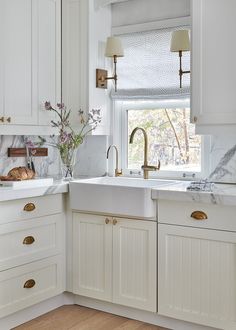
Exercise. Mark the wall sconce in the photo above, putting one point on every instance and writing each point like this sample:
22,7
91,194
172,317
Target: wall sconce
180,43
114,49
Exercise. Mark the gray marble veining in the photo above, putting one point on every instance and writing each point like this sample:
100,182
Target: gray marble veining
91,157
222,158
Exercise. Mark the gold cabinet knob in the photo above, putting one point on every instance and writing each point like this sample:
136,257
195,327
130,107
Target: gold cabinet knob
28,240
29,284
2,119
107,221
114,222
199,215
29,207
8,119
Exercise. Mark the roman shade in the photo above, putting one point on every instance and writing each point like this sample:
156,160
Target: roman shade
149,70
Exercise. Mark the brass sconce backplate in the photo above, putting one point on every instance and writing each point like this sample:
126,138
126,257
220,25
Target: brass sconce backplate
101,81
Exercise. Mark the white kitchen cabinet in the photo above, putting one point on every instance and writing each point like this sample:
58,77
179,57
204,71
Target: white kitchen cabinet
30,64
84,33
196,275
92,256
31,283
134,264
213,62
114,259
32,251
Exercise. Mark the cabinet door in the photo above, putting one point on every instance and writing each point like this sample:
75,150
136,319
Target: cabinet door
18,89
196,275
134,264
213,62
92,256
30,61
49,56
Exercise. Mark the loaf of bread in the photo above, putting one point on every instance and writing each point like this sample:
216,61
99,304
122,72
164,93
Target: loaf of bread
18,174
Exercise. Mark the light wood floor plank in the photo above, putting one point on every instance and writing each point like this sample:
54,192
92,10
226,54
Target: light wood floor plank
81,318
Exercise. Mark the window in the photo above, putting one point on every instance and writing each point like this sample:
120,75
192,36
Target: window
171,139
149,97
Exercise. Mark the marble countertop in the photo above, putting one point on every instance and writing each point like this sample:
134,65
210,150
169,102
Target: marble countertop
221,194
8,193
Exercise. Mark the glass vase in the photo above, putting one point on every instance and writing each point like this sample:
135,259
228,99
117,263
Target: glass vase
68,160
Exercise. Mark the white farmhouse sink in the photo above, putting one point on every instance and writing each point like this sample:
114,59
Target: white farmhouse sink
129,197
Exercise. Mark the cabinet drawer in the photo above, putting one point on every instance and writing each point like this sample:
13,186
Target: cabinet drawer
26,241
28,208
27,285
179,213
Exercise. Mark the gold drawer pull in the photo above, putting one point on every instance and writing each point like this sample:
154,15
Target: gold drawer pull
107,221
114,222
28,240
199,215
29,207
8,119
2,119
29,284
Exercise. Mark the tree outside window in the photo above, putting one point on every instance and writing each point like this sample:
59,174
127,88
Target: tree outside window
172,139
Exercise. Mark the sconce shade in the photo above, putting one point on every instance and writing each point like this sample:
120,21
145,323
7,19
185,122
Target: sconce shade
114,47
180,41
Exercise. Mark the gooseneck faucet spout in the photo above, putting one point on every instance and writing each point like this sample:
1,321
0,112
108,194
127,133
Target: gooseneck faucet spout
117,171
131,140
146,168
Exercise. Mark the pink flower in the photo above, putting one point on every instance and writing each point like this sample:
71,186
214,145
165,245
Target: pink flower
61,106
47,105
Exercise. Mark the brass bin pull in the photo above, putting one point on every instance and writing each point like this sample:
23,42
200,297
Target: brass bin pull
29,207
29,284
199,215
114,222
107,221
28,240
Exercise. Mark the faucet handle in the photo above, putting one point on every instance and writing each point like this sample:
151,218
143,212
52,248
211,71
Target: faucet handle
152,167
118,172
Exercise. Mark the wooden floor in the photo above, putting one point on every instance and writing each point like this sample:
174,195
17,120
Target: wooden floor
82,318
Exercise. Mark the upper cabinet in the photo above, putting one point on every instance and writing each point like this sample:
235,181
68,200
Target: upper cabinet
213,62
30,64
85,28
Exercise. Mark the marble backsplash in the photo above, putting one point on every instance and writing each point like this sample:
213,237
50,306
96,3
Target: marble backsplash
91,157
223,158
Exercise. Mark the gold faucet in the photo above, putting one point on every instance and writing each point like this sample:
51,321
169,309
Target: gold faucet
117,171
146,168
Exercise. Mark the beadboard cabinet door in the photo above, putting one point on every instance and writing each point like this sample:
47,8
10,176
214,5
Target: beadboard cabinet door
92,256
115,260
196,274
134,263
213,62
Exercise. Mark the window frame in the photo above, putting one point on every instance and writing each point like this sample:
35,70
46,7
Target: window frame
120,138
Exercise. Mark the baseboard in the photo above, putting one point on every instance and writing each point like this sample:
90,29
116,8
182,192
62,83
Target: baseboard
32,312
66,298
139,315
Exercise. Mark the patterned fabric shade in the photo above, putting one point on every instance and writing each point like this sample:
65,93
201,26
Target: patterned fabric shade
149,70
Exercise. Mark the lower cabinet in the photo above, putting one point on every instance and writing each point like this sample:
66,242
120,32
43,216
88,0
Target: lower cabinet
29,284
32,251
197,275
114,259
